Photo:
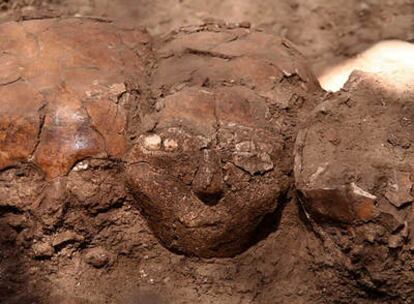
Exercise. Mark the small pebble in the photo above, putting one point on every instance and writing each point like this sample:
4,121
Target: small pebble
98,257
43,250
170,145
152,142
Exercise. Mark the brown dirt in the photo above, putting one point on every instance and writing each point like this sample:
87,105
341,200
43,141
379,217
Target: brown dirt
93,249
325,31
353,171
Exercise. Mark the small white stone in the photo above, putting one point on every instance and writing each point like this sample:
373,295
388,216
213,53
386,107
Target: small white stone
170,145
361,192
152,142
318,172
206,92
81,166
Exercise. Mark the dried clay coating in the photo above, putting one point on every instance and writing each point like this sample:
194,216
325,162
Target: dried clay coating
353,170
201,129
60,91
64,114
214,155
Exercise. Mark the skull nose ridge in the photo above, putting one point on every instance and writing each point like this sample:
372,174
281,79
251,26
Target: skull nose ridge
208,181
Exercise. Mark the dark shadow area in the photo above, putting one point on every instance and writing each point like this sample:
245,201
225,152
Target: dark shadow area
143,297
271,221
15,287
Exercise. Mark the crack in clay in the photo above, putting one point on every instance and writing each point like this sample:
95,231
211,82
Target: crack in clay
94,128
42,118
327,241
209,53
17,79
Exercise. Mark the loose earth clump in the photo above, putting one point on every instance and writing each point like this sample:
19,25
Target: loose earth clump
353,170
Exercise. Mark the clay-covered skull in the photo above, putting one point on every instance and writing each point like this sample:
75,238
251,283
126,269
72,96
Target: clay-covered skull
60,83
214,154
201,127
63,117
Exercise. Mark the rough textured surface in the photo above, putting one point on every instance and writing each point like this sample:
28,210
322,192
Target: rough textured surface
326,31
210,119
353,168
215,154
289,265
63,117
60,92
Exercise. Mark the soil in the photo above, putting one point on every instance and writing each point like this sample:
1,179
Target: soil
353,174
325,31
121,261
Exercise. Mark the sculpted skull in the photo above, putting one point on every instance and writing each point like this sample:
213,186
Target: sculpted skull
213,156
207,174
200,125
59,90
63,117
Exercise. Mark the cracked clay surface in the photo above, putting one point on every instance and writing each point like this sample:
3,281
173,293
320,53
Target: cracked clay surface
113,143
60,91
214,154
